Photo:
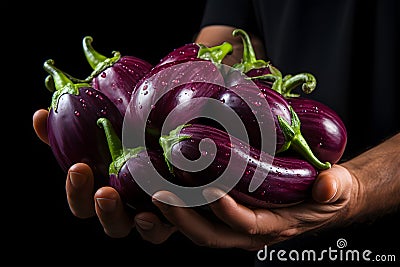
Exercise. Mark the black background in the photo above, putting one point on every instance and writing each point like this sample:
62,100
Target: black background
41,228
38,227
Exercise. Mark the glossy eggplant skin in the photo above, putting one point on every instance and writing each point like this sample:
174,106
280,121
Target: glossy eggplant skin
192,102
187,52
276,106
322,127
285,180
116,76
118,81
156,95
73,132
138,167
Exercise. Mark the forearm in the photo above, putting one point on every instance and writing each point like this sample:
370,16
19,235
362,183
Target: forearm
376,175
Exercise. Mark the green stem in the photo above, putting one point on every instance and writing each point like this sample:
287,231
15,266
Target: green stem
216,53
306,80
118,154
249,60
275,76
295,140
97,61
168,141
61,83
49,83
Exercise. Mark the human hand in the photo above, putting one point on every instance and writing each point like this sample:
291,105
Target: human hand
105,202
250,229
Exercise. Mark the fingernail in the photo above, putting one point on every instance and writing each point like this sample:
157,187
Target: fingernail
164,200
334,192
144,225
325,190
211,194
77,179
106,204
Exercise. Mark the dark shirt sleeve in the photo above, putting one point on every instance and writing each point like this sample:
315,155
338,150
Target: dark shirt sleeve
236,13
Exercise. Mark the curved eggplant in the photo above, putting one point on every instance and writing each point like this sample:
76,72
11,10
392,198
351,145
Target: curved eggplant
117,76
74,135
322,127
284,181
130,165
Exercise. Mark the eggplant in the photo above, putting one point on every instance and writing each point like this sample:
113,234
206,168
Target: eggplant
196,51
181,66
322,127
131,168
266,116
117,76
74,135
235,166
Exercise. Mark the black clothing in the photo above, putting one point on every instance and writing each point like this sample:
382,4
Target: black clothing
352,48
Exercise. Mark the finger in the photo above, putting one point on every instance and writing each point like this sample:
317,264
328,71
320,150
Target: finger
332,185
244,219
79,189
111,212
152,229
40,124
200,229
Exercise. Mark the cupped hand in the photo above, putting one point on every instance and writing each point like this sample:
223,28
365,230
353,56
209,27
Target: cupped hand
105,202
250,229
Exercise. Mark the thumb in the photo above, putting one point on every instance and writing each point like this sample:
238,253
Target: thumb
332,185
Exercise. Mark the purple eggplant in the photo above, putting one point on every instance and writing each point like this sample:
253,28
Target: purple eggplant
234,165
130,165
179,67
278,116
117,76
74,135
195,103
322,127
196,51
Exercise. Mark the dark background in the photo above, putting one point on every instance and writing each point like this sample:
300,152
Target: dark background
41,229
38,227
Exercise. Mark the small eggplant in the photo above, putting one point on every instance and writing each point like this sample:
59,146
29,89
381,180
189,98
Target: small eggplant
73,132
117,76
190,63
322,127
283,181
196,51
130,165
193,103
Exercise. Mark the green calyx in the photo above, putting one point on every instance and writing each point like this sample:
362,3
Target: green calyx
214,54
295,140
249,60
168,141
97,61
119,155
60,83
